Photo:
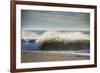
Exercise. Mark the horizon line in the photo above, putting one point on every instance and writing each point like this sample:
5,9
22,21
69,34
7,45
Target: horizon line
62,29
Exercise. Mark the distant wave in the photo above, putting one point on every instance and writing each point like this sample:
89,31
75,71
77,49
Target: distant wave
29,35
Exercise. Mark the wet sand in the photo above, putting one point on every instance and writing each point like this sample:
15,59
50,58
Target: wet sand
45,57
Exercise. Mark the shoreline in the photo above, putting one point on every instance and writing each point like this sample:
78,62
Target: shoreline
44,56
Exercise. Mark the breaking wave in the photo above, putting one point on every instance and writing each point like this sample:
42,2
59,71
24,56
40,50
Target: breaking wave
57,40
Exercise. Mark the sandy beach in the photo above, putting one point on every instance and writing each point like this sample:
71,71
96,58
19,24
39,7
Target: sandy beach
44,56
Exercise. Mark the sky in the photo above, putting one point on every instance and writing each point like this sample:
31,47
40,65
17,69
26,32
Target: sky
35,19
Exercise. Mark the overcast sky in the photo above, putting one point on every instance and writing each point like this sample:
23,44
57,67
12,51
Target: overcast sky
35,19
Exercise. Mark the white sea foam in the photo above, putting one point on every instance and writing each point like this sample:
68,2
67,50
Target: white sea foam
63,36
29,35
50,36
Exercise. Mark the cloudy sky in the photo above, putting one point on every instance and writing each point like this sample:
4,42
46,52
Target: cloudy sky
35,19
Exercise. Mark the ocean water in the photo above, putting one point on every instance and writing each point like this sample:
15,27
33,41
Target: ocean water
29,46
36,47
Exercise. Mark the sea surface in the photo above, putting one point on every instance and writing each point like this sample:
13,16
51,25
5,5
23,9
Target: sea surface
35,47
